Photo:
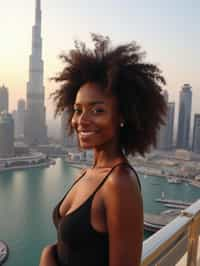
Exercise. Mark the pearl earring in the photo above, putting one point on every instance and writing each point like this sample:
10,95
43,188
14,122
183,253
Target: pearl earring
121,124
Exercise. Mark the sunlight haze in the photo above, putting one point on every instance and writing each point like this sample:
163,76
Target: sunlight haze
168,31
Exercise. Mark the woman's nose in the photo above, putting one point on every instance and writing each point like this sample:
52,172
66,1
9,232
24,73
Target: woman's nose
84,117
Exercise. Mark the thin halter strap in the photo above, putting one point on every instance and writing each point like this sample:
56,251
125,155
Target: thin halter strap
138,179
76,181
107,175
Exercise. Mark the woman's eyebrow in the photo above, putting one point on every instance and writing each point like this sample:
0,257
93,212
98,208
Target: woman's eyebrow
90,103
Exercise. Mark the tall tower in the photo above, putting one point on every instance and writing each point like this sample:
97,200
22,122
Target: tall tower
196,134
184,117
170,124
3,99
65,139
161,137
20,115
165,135
35,130
6,135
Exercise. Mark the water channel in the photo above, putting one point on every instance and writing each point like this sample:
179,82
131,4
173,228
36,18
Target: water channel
27,198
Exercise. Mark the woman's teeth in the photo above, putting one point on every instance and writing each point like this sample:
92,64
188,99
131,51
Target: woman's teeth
86,134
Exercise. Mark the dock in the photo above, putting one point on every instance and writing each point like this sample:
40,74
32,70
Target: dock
176,206
176,202
3,252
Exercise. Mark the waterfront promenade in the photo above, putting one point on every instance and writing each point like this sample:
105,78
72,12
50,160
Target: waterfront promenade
31,160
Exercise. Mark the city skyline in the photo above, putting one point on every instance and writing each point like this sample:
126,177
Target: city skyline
168,32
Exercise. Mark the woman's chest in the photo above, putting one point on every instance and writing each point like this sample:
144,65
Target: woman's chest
86,200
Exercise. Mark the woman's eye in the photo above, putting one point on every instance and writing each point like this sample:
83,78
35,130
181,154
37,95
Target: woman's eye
96,111
77,110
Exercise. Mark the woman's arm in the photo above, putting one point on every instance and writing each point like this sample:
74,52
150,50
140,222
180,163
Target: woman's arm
124,214
48,256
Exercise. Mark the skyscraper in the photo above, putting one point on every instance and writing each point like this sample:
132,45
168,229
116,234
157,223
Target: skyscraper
162,132
3,99
35,119
20,116
170,125
67,141
196,134
14,116
165,134
6,135
184,117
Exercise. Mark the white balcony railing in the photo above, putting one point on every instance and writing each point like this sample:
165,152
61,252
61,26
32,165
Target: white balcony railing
175,241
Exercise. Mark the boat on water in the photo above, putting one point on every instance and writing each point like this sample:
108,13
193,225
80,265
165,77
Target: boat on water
163,195
3,252
174,180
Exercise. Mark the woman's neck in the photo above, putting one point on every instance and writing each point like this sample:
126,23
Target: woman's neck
107,159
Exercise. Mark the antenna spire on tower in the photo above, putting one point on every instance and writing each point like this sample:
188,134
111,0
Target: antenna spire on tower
38,13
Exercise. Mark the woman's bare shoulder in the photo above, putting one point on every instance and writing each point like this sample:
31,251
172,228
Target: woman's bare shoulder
123,177
123,200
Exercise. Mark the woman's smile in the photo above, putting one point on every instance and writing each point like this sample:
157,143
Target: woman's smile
86,134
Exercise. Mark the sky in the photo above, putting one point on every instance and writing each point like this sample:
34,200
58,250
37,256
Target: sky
168,31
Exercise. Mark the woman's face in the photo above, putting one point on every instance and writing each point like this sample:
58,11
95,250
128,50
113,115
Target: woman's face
96,117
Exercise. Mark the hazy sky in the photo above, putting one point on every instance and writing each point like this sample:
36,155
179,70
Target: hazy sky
169,31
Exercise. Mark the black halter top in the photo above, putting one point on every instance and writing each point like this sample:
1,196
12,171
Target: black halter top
79,244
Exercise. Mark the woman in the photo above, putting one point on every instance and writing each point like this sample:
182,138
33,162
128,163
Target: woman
115,106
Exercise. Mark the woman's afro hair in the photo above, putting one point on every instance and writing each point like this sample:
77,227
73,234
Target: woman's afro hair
121,71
